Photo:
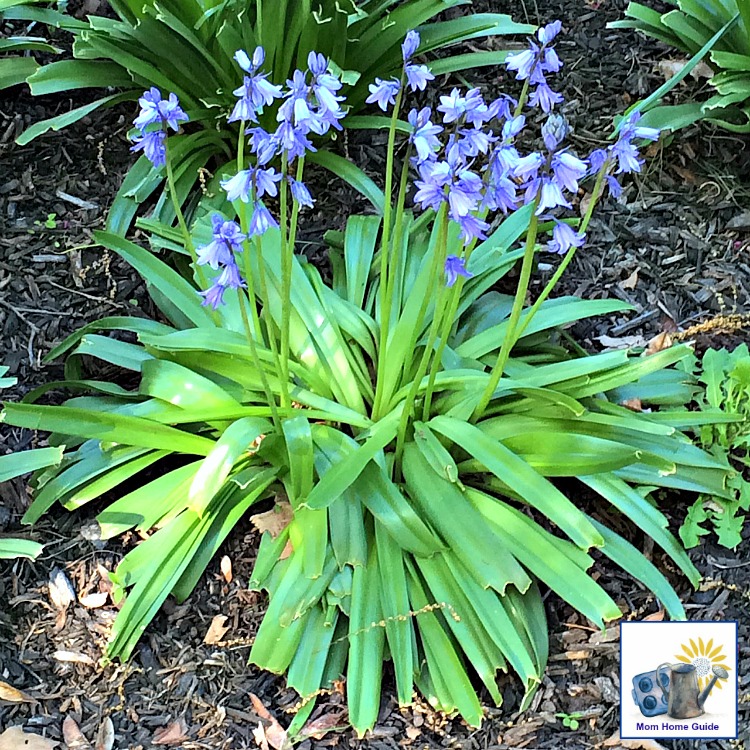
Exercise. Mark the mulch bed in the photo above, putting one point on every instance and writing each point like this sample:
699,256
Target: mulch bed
676,250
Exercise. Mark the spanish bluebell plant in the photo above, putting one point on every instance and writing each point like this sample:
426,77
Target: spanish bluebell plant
413,418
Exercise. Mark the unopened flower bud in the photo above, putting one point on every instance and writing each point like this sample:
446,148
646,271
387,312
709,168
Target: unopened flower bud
554,131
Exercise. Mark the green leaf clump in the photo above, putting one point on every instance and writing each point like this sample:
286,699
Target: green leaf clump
717,31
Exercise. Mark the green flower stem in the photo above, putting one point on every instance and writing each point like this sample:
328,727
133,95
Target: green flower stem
522,99
448,322
438,262
390,286
515,315
252,336
385,251
426,299
286,284
181,218
552,283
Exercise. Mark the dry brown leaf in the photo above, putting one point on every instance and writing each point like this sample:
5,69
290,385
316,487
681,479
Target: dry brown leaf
275,520
288,549
73,736
670,68
94,601
259,735
631,281
61,590
617,743
319,727
658,343
216,630
14,738
172,734
9,694
634,404
74,656
226,568
621,342
274,734
655,616
413,732
105,737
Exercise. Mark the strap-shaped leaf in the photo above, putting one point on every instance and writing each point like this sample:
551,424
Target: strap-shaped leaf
345,472
235,441
159,275
17,464
107,427
521,478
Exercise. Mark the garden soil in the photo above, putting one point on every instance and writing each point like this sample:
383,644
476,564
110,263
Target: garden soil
677,249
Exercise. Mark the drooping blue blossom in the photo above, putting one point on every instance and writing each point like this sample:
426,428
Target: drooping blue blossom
455,267
546,34
300,193
471,107
424,135
255,181
564,237
383,92
261,221
214,296
500,193
472,228
550,194
250,66
227,240
417,76
410,44
263,144
615,189
154,109
568,170
291,141
630,130
230,277
533,63
154,147
544,97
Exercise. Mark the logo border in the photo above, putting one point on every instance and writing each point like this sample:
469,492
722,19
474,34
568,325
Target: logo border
737,677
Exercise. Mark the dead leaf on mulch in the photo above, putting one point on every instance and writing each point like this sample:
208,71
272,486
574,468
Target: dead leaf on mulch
105,737
655,616
275,520
631,282
617,743
61,590
9,694
226,568
634,404
670,68
660,342
94,601
73,736
172,734
14,738
216,630
318,728
273,735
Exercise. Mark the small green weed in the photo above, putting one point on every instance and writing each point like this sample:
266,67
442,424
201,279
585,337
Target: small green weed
726,377
571,721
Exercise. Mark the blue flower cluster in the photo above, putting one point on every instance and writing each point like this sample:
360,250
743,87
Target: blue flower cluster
466,153
384,92
166,113
310,104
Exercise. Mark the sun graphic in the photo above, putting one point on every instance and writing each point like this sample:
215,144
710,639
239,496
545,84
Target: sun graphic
703,656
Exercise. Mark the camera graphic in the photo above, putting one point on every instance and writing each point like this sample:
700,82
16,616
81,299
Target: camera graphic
647,694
